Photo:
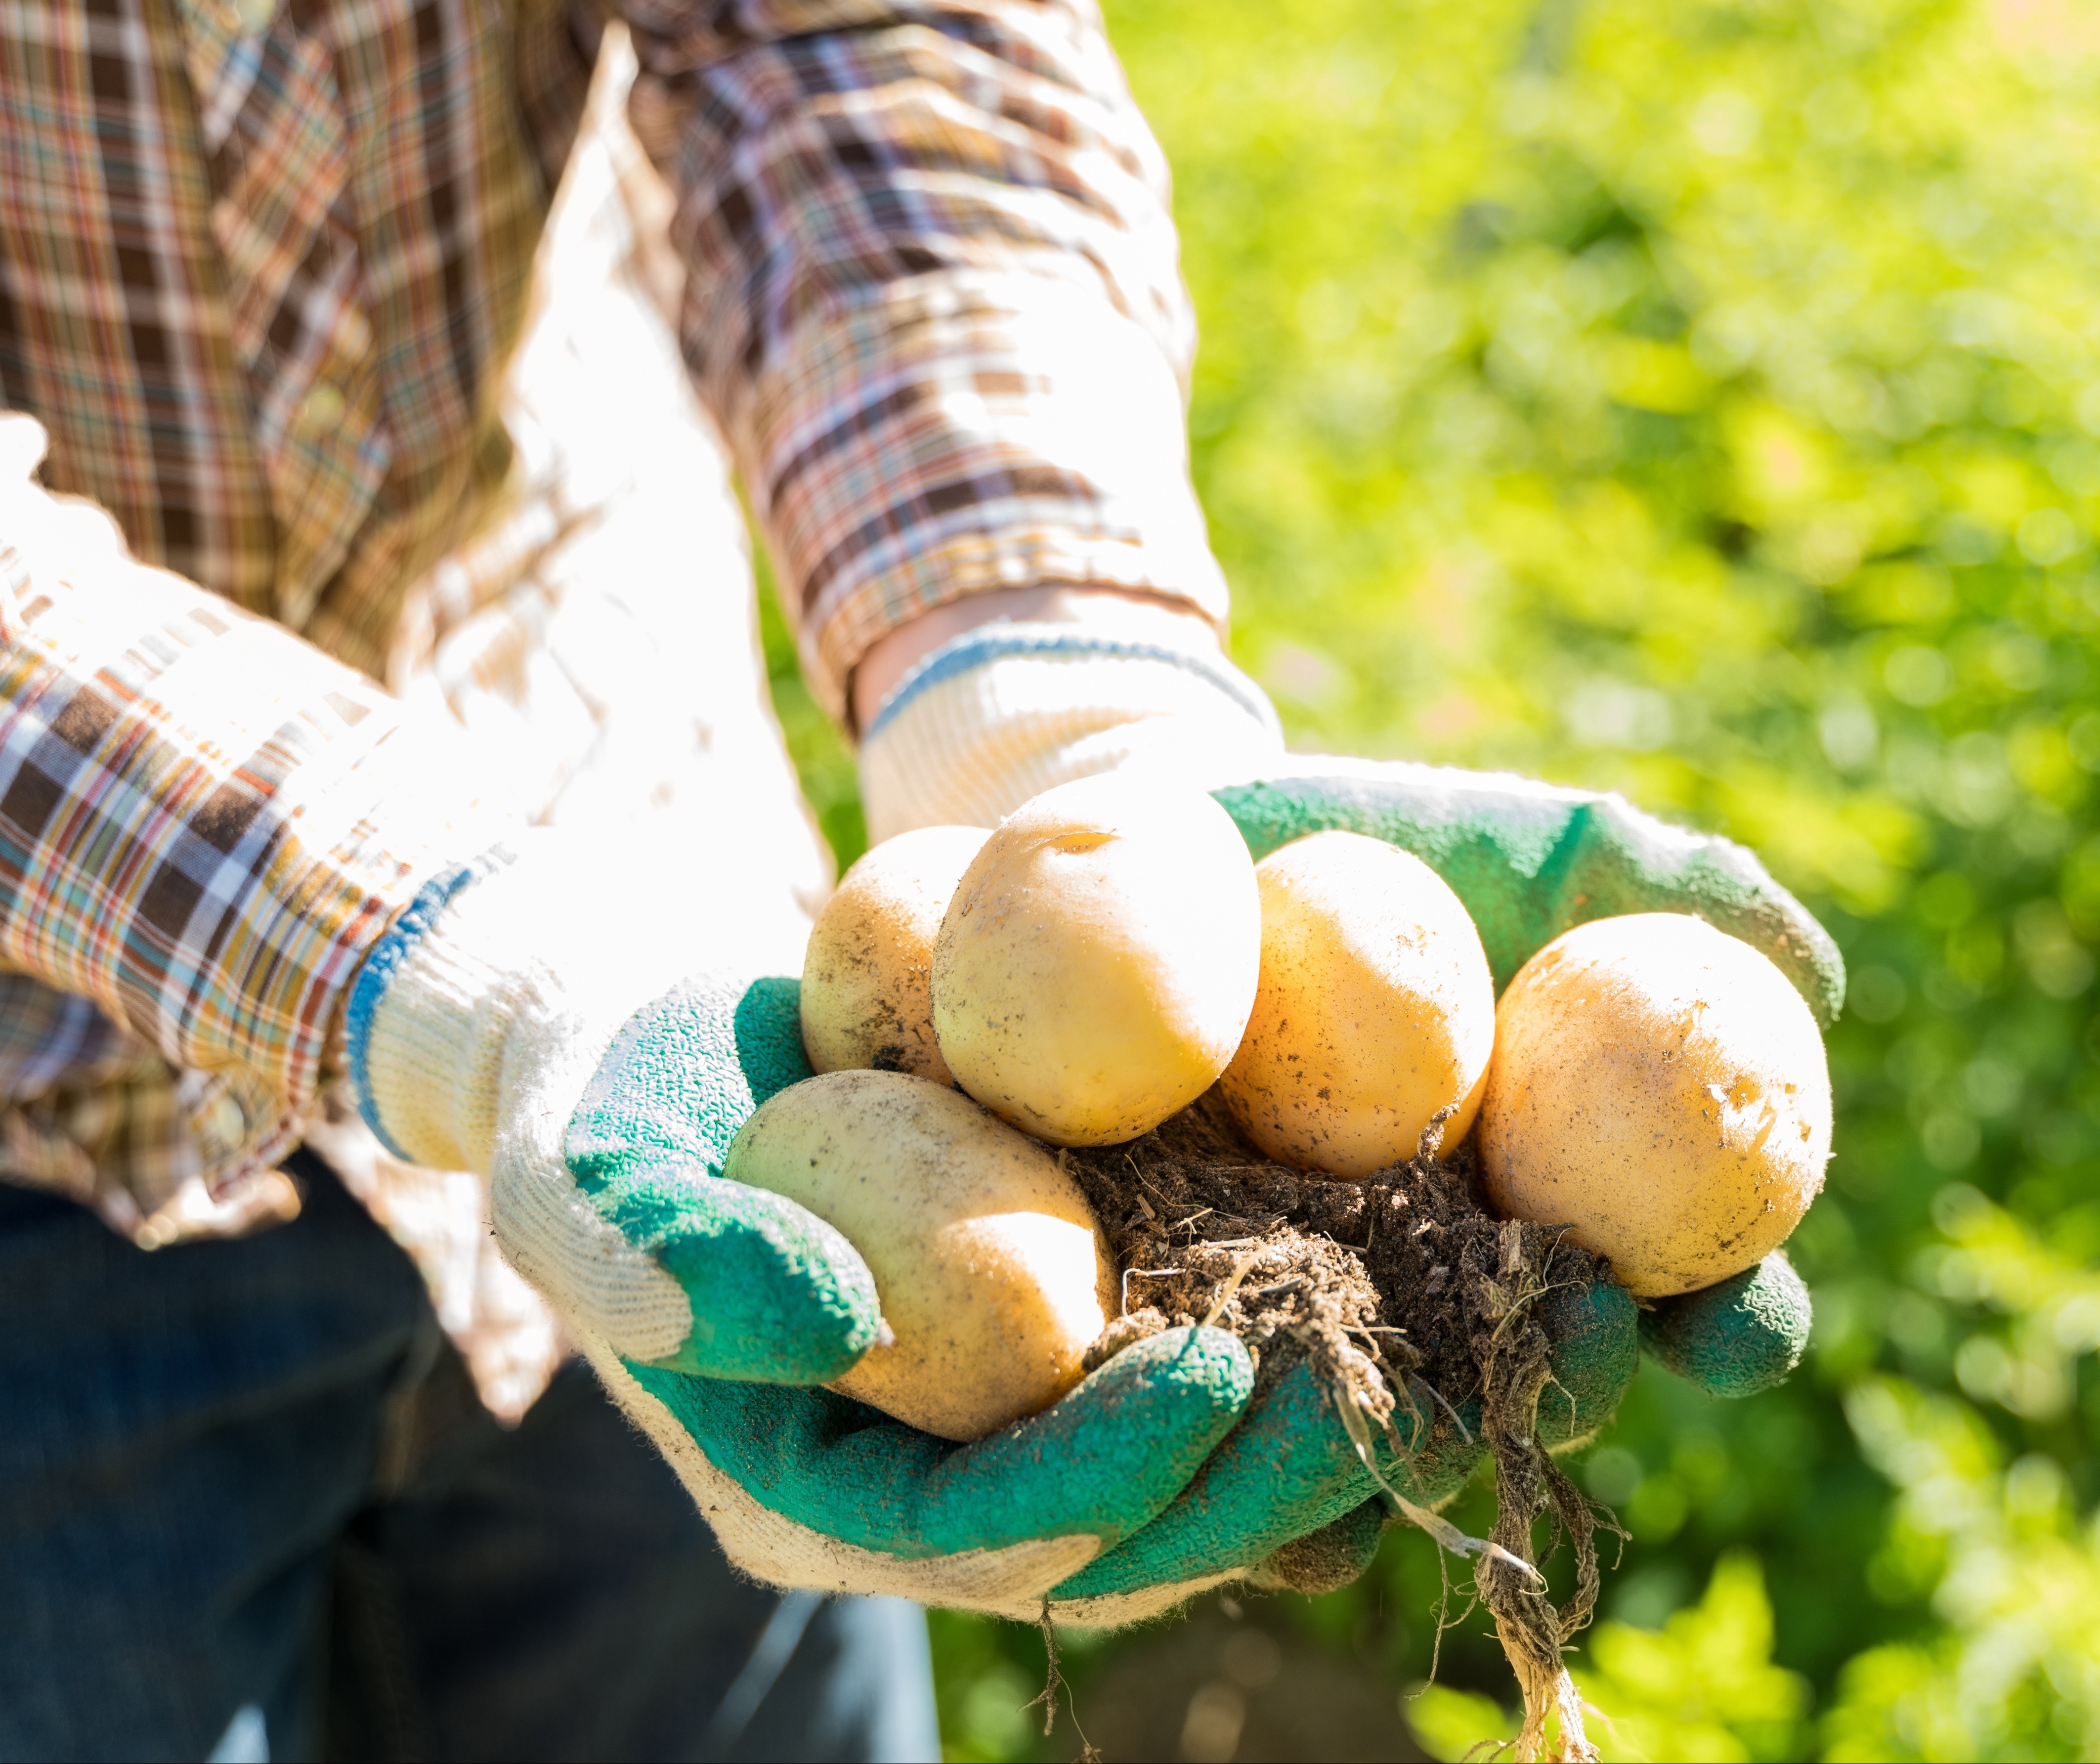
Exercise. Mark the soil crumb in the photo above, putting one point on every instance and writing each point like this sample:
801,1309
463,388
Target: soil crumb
1410,1297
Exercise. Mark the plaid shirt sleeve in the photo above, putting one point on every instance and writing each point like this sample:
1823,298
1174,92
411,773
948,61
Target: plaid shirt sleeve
934,300
205,822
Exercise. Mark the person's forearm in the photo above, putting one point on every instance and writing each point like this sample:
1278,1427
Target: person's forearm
204,821
933,301
1107,612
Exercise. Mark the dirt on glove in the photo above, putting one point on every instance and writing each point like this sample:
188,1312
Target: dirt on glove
1409,1295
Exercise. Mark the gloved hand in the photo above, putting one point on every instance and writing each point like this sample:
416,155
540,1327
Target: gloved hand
1008,710
491,1030
517,1021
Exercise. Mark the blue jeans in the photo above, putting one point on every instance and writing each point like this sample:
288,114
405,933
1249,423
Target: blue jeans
248,1504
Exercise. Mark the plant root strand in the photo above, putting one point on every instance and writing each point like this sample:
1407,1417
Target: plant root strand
1053,1682
1411,1263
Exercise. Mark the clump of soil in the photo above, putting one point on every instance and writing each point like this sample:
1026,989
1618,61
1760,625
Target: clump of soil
1399,1286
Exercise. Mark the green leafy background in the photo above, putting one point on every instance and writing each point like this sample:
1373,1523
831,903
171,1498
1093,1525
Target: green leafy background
1701,400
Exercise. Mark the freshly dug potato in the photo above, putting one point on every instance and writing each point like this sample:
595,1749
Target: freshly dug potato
1376,1008
867,975
992,1270
1097,964
1659,1085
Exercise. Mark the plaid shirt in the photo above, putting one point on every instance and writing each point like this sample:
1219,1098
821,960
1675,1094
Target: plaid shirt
261,271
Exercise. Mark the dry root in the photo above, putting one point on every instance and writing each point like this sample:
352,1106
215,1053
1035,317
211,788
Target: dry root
1514,1353
1404,1283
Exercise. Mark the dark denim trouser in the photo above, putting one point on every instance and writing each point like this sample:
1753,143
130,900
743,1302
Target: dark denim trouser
245,1494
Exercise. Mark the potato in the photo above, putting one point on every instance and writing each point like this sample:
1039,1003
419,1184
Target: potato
868,974
1659,1085
992,1270
1098,962
1376,1008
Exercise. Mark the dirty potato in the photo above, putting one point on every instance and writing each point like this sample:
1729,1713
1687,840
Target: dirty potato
1096,966
867,977
991,1268
1376,1010
1660,1087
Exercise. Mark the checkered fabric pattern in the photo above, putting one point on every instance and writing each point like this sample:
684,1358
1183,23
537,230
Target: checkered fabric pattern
261,268
204,823
934,302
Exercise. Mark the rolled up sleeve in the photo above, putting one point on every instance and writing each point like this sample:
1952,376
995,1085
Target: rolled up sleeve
932,299
205,822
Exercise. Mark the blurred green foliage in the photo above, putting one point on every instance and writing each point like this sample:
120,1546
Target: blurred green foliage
1701,398
1702,1686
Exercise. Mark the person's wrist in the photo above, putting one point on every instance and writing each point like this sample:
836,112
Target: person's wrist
1005,711
418,1020
537,949
1131,614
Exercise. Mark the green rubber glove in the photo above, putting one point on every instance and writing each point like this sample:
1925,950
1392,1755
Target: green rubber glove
1737,1337
1531,861
1005,711
679,1079
486,1033
1288,1478
810,1488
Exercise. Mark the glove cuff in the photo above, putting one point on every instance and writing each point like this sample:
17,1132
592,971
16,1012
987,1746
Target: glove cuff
425,1023
474,1027
546,941
1006,710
